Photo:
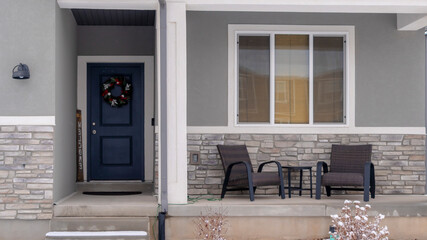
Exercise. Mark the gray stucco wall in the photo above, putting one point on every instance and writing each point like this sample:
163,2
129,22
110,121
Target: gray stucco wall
116,40
27,36
65,104
389,65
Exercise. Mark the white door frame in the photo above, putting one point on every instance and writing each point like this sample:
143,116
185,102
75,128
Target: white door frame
149,102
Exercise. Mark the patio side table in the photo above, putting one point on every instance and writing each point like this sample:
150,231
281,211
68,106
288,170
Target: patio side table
300,168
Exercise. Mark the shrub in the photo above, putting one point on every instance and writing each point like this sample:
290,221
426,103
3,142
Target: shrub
212,226
354,224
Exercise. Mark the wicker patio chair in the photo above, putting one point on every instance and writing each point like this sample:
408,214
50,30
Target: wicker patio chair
239,174
350,166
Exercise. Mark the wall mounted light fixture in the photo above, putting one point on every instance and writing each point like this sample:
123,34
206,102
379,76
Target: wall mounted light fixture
21,71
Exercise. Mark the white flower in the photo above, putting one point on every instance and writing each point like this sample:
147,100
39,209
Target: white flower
114,103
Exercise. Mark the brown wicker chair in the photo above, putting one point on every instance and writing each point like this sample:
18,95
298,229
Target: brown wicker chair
239,174
350,166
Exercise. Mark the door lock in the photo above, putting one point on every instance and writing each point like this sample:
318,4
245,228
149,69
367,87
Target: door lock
93,132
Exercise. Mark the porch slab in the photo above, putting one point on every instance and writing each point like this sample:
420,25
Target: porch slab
81,205
302,206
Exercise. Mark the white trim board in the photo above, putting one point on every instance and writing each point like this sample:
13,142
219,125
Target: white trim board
27,120
148,61
306,130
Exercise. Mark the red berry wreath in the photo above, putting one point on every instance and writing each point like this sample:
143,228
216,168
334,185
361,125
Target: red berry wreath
125,95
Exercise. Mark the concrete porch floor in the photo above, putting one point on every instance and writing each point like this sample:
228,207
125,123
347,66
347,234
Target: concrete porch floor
82,205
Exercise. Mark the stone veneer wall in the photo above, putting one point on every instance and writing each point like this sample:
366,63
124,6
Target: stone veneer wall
26,172
399,159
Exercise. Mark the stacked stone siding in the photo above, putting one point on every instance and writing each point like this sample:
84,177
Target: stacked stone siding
399,159
26,172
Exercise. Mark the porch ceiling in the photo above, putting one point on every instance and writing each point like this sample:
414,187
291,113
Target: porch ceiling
100,17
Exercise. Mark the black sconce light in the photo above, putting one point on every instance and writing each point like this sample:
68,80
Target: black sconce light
21,71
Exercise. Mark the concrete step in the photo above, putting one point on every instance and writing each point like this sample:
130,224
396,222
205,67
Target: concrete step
100,224
81,205
104,235
116,186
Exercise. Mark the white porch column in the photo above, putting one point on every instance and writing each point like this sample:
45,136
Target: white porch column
176,101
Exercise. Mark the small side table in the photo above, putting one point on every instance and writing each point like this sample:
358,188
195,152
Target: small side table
301,168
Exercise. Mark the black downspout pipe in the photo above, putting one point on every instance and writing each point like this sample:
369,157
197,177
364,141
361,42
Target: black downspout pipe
163,122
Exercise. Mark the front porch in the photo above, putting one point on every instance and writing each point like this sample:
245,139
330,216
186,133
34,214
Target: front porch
269,217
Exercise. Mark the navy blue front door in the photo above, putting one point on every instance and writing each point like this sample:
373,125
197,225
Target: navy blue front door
115,134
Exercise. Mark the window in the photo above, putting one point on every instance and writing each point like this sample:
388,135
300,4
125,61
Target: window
295,77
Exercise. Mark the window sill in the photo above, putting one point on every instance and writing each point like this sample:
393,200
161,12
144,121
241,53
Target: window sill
337,129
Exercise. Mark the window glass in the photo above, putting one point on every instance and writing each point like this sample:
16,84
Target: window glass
328,79
254,79
291,79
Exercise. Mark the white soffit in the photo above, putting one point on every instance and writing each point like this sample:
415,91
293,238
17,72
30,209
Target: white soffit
411,22
337,6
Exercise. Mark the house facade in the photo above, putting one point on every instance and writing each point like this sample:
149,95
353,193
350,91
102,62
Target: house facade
287,79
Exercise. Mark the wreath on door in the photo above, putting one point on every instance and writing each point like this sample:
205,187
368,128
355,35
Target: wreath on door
125,95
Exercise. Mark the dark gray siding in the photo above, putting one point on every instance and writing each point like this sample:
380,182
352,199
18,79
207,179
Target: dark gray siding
116,40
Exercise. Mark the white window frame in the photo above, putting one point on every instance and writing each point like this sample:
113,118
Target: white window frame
349,71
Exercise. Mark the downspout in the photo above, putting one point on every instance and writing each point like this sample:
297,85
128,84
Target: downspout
163,122
425,103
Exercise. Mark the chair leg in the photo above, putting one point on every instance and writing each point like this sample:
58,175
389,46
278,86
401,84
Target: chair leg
373,191
367,178
366,194
224,186
300,181
281,186
251,191
328,191
224,190
318,185
311,185
289,182
372,182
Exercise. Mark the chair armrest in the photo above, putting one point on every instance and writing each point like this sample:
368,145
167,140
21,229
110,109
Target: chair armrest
321,165
248,168
279,166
